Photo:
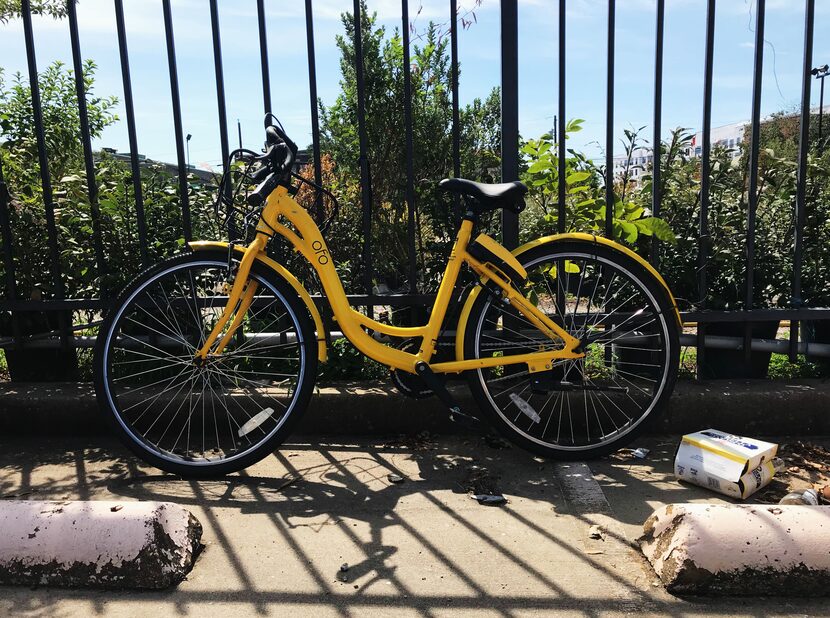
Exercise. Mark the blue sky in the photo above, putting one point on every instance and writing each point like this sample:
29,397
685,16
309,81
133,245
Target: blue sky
478,51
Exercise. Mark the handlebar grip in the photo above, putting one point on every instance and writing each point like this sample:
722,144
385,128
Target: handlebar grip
274,129
258,196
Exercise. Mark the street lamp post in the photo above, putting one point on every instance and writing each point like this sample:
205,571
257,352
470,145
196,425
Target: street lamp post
821,73
187,141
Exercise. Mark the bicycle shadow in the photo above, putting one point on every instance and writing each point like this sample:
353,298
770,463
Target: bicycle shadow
316,501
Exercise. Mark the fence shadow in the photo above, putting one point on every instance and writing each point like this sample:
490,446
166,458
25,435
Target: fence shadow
316,502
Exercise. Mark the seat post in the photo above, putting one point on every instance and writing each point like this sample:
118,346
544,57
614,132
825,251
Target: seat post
472,209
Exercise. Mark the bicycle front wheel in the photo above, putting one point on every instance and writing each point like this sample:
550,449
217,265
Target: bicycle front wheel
212,418
589,406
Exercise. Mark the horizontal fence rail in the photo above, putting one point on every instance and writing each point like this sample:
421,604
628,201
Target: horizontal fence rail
510,30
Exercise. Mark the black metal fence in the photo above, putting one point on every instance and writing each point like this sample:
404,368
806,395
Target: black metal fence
509,164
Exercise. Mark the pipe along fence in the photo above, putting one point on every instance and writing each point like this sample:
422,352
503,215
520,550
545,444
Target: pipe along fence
510,166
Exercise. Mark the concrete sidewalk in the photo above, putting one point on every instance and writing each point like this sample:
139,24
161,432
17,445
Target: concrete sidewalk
277,535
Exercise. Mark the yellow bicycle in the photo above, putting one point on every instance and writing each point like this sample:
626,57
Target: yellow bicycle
570,342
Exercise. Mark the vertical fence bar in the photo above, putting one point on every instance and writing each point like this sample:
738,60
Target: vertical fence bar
43,162
456,121
312,93
220,82
128,108
365,186
801,180
752,206
187,228
8,252
703,237
656,172
509,112
410,171
86,140
560,137
609,125
263,55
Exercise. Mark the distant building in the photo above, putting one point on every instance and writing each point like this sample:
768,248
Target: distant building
728,136
206,175
172,168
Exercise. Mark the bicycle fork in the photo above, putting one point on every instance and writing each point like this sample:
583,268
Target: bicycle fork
239,301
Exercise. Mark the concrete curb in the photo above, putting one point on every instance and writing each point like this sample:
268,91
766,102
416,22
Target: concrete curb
750,407
740,549
96,544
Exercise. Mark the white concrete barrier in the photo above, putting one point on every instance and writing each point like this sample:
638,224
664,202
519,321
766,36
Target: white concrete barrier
740,549
98,544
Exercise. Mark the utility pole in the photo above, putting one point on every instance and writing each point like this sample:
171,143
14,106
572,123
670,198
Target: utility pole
821,73
239,131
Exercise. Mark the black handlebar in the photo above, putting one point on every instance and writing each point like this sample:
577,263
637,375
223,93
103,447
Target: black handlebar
277,162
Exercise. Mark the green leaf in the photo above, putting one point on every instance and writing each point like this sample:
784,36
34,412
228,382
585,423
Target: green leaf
576,177
629,231
656,227
635,213
539,165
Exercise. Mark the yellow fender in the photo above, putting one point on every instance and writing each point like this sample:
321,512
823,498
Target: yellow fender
322,353
468,305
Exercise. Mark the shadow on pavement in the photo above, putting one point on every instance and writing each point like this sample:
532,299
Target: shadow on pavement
278,533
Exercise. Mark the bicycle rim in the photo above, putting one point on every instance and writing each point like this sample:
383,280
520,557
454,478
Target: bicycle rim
217,413
586,403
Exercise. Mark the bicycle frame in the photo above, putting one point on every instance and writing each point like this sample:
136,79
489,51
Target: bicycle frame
310,243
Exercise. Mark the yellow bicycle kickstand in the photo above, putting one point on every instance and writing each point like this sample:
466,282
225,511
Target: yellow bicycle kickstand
239,301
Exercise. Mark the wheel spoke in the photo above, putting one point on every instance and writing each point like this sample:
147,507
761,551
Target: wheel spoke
593,400
173,407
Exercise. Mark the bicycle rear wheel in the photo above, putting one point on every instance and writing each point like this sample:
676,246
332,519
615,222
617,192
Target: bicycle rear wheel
213,418
584,407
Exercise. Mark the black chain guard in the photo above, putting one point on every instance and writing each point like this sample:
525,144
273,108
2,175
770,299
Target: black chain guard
410,384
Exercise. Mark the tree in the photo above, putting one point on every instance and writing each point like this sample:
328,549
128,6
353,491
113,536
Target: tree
584,194
432,132
53,8
73,212
61,126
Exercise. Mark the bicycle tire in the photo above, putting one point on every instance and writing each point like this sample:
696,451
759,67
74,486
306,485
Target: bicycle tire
594,373
271,286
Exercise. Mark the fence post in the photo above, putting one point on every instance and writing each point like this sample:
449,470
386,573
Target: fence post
410,172
754,151
89,164
563,123
128,107
801,181
177,121
312,95
220,82
509,112
263,55
45,179
703,237
656,172
609,124
365,178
